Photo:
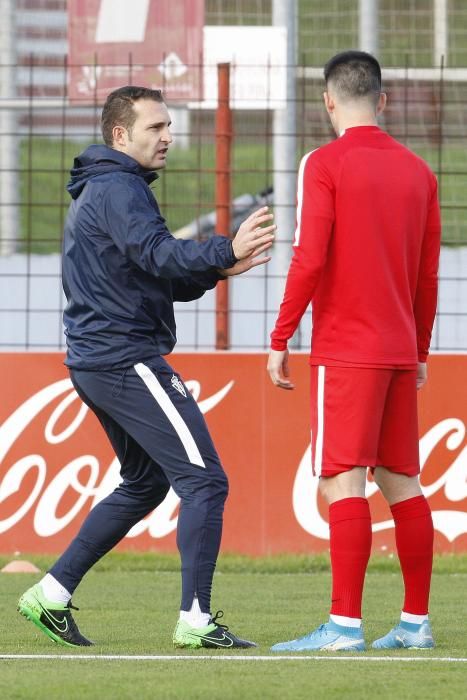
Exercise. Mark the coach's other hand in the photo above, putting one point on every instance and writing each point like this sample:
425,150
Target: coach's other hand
247,263
278,368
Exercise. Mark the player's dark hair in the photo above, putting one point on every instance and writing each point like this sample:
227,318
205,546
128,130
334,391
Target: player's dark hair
118,109
354,74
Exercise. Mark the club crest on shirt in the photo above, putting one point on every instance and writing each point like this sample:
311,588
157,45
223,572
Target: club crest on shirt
177,384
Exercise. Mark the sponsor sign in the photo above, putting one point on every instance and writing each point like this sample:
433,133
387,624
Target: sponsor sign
56,463
154,43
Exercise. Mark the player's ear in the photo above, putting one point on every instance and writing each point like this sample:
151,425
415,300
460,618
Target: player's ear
328,102
381,103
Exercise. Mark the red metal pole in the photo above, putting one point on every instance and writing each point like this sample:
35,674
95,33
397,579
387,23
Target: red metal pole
223,195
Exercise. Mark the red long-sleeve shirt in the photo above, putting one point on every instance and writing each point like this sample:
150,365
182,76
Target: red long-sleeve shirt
366,253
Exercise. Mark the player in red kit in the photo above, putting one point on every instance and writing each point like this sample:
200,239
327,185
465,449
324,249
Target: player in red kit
366,255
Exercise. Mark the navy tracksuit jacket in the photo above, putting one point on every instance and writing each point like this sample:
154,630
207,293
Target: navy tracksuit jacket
122,268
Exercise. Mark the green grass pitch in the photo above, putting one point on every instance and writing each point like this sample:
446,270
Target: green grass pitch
129,607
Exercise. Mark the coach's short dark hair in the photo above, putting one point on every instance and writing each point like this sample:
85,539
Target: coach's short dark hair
354,74
118,109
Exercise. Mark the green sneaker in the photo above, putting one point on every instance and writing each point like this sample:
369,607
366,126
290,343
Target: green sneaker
54,619
213,636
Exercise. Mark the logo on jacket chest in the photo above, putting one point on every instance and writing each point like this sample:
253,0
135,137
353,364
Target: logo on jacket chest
177,384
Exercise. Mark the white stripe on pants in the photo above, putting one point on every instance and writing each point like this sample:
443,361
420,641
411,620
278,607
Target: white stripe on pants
179,425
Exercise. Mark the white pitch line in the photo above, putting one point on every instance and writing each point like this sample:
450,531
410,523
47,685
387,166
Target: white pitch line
180,657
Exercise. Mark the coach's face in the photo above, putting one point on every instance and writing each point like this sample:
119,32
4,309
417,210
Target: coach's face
149,138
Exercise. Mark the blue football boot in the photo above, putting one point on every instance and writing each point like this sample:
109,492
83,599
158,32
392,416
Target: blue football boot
327,637
406,635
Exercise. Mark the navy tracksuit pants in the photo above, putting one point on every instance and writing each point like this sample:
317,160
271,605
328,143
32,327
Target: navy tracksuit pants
161,439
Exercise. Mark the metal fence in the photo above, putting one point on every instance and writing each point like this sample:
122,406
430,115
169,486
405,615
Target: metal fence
41,131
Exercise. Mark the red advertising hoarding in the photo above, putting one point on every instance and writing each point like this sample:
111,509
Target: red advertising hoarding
56,462
153,43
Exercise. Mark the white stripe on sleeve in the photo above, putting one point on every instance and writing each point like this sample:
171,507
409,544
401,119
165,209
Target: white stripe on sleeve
301,175
178,424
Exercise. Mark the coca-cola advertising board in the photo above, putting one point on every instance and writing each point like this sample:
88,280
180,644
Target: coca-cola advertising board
154,43
56,462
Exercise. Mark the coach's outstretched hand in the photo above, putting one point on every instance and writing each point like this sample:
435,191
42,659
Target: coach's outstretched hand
251,240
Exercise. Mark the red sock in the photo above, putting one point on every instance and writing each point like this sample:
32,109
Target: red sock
414,541
350,542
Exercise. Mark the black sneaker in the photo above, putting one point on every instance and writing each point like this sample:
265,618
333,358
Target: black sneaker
213,636
55,619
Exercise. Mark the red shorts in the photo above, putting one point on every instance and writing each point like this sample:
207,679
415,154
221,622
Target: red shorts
363,417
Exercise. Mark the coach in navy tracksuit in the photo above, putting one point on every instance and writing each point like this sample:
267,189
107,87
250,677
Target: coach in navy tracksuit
122,271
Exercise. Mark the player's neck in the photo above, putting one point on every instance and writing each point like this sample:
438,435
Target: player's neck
353,121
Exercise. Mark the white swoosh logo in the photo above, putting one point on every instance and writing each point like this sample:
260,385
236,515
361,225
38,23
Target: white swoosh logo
217,640
56,623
